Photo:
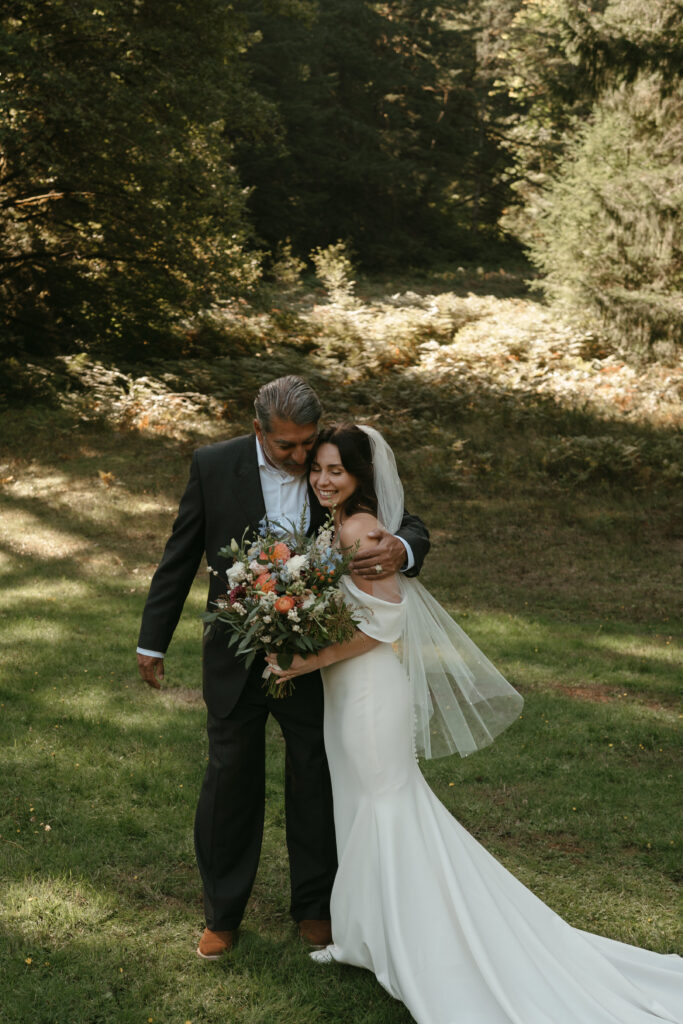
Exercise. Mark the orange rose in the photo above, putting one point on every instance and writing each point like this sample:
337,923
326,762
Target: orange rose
280,553
284,604
265,582
277,553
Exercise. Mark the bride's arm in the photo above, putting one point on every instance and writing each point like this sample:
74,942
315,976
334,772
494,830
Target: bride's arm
360,643
353,530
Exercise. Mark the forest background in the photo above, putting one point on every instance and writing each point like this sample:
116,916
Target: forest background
460,222
157,162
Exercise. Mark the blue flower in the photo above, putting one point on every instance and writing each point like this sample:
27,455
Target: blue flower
331,558
264,527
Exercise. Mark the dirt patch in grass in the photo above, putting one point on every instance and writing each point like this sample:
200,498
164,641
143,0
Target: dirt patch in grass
183,696
562,843
595,694
598,693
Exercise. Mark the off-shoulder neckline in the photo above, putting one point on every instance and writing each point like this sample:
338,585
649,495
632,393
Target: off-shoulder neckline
372,597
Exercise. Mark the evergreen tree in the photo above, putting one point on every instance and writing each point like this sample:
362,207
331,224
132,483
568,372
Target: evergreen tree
556,59
481,114
367,95
595,145
609,233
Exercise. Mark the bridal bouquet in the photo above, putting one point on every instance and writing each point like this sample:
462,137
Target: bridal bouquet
282,595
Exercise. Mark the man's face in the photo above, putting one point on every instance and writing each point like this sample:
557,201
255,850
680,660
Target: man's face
286,445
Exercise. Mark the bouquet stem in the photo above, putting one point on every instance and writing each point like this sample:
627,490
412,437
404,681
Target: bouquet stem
273,687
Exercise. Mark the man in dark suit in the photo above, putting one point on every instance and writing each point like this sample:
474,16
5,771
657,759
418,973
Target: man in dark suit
232,485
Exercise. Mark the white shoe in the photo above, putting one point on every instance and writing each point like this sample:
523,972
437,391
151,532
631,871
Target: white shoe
322,956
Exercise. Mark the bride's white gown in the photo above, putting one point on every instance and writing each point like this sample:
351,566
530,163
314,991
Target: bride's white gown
444,927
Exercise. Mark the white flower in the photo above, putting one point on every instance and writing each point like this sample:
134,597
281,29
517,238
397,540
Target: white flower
293,615
308,601
239,608
294,566
221,602
323,540
236,573
256,567
296,629
266,639
267,618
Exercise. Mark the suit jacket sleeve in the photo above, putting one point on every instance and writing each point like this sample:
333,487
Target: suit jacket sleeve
414,531
178,567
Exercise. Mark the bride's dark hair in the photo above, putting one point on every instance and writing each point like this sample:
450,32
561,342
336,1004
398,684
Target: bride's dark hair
356,456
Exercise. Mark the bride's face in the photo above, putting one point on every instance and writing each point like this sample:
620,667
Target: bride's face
331,483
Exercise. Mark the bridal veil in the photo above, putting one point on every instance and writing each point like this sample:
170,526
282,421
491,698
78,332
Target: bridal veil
461,701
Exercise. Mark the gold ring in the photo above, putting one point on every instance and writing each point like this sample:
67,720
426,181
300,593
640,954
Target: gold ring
378,568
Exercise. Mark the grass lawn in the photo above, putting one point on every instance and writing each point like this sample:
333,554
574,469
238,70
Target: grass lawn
566,573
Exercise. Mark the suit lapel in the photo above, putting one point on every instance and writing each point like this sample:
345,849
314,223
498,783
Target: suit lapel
249,484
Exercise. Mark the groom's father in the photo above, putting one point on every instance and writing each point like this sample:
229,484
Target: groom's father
232,485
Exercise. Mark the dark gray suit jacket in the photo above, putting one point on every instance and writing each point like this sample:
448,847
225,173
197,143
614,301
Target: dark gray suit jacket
223,497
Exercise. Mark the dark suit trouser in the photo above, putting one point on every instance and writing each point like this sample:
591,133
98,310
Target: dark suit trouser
230,813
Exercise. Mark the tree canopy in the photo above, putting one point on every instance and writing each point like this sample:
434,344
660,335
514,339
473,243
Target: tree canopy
121,209
154,157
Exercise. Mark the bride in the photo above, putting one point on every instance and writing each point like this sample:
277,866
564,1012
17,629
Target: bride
444,927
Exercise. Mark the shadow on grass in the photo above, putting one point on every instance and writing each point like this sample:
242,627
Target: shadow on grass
84,736
97,979
58,484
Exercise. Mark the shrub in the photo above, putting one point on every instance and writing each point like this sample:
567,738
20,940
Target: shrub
333,268
637,461
608,232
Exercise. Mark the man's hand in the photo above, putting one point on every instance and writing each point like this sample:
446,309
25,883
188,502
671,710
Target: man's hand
151,670
387,552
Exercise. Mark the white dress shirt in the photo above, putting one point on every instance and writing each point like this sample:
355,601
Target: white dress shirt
285,496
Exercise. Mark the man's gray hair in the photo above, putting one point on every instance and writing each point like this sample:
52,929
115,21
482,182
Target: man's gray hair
289,398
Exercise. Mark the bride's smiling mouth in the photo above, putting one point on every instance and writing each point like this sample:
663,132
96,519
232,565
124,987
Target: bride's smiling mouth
325,495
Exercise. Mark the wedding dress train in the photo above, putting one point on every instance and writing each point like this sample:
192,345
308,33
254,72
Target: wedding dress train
417,900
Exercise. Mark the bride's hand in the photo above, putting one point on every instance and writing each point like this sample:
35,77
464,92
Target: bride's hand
299,667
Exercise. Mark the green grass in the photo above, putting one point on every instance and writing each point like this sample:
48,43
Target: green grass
571,588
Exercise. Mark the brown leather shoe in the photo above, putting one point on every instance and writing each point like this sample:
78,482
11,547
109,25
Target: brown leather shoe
213,945
316,933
